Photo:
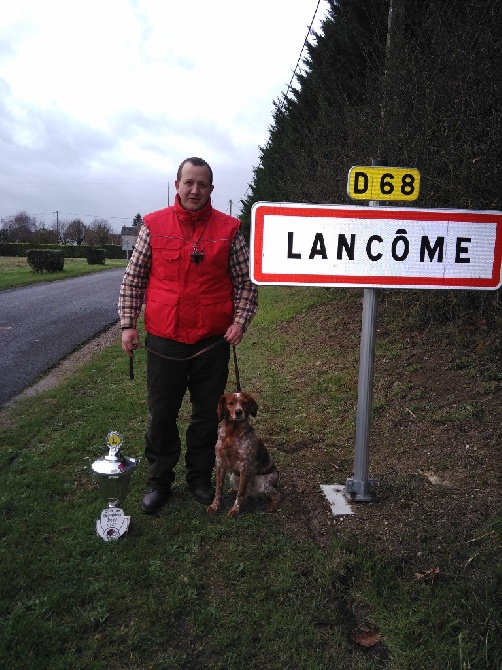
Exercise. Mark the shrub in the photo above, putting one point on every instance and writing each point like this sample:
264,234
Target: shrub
96,256
50,260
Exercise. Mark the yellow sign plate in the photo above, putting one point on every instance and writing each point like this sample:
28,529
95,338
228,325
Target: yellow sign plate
383,183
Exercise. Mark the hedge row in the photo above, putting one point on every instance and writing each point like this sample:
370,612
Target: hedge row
20,249
45,260
52,260
96,256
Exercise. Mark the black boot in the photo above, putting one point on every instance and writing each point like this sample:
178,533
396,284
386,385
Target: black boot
154,500
203,493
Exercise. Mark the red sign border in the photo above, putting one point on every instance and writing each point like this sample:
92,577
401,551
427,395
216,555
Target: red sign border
260,210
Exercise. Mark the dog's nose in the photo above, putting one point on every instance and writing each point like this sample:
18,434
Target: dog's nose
239,412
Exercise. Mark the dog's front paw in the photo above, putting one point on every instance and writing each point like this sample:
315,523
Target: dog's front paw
213,508
234,511
272,506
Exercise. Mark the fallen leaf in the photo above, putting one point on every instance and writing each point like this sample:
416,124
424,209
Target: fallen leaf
365,636
427,575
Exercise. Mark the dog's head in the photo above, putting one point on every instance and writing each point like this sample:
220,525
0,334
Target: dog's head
237,406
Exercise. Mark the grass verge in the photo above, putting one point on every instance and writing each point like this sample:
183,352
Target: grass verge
187,590
16,272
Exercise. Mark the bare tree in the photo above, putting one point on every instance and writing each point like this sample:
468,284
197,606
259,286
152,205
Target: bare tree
99,232
75,232
20,228
59,229
45,235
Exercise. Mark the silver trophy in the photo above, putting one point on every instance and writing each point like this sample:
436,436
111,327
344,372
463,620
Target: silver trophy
113,473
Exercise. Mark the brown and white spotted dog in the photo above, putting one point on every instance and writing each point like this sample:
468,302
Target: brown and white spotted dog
241,453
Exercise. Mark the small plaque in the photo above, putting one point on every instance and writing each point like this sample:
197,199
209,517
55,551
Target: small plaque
383,183
112,524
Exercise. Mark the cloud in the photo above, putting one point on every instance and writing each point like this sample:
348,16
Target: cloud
100,102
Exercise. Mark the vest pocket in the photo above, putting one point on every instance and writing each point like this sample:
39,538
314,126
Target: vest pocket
161,315
216,313
166,255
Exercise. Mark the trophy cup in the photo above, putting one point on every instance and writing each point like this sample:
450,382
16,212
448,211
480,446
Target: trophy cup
113,473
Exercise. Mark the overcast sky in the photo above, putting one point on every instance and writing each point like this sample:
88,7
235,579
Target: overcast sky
100,100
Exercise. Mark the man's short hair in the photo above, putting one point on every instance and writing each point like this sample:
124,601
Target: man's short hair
198,162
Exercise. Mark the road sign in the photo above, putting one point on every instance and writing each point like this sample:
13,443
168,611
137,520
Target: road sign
383,183
338,245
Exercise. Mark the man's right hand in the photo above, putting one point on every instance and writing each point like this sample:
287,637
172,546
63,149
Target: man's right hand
130,340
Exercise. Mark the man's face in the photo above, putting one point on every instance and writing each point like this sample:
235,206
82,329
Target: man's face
194,188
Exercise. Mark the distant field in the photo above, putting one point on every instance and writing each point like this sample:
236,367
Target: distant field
16,272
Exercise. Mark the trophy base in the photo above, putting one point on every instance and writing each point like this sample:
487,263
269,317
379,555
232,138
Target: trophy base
112,524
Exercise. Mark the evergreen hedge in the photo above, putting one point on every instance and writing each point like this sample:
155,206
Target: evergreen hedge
45,260
96,256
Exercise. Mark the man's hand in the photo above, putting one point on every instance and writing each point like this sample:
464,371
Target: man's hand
130,340
234,334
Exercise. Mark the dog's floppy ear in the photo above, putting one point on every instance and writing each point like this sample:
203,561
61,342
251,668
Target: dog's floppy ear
253,406
221,408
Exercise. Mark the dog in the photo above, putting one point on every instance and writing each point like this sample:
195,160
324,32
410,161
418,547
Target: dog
240,452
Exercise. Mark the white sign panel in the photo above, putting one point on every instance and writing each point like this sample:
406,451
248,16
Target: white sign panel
336,245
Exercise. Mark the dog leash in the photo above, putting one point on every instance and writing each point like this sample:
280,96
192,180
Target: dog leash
188,358
236,368
138,345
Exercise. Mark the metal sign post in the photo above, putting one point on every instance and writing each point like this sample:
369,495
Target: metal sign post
126,247
360,487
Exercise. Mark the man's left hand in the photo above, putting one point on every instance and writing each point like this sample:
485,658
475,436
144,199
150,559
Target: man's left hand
234,334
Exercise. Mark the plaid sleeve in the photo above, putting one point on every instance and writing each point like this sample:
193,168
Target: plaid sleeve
135,280
245,292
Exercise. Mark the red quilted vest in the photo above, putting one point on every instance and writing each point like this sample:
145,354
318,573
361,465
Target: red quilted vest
188,301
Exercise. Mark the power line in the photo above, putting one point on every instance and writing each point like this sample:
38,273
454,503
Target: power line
94,216
303,48
294,71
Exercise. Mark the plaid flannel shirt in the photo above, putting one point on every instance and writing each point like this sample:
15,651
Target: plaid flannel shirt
134,283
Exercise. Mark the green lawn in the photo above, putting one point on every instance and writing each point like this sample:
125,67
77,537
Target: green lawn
186,590
16,272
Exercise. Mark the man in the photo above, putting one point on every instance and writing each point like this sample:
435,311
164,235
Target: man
190,266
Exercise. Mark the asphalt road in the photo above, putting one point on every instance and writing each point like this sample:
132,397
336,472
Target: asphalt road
43,323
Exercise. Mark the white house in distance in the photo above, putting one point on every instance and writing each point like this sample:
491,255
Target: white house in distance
129,235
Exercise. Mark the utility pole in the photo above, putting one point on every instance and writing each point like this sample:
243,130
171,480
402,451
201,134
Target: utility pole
230,203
